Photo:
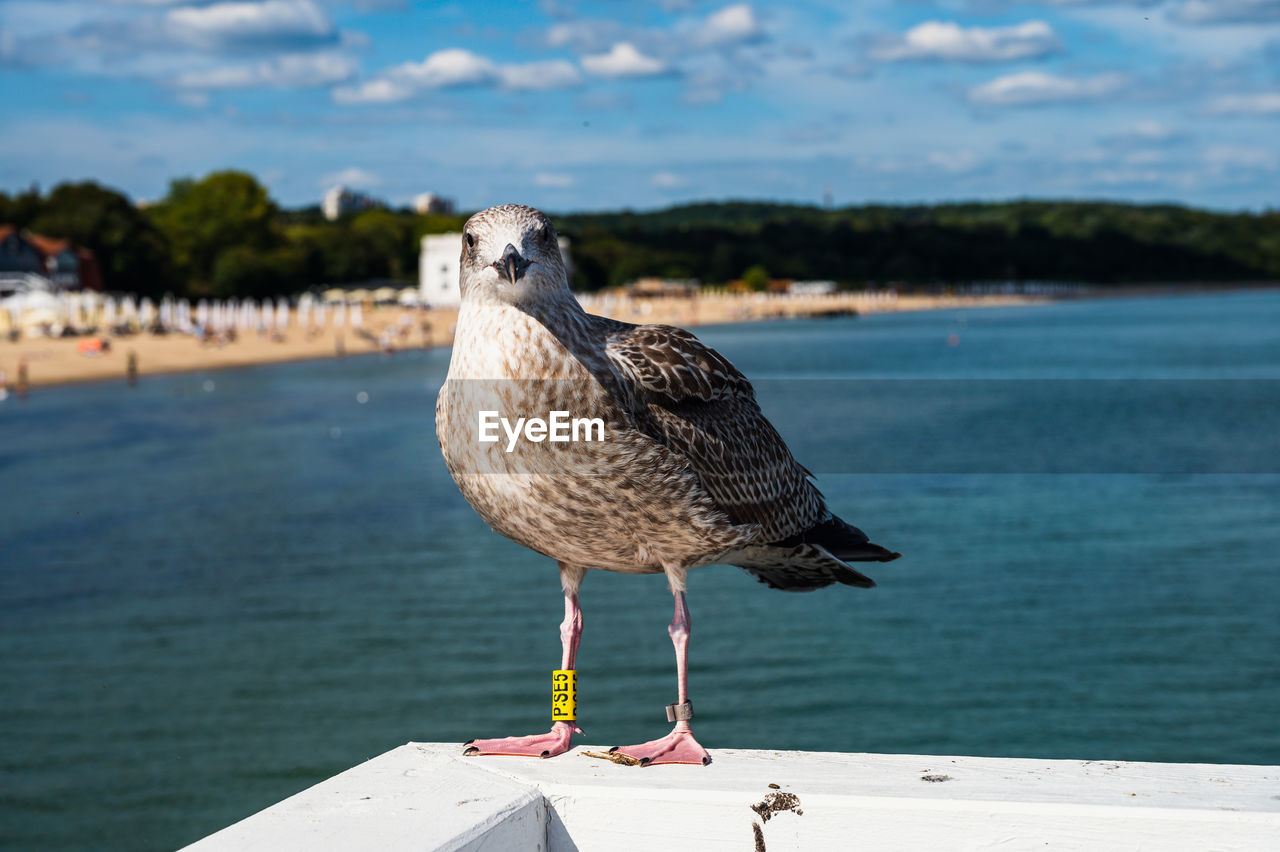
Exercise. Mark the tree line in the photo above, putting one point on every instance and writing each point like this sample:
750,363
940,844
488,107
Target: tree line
223,236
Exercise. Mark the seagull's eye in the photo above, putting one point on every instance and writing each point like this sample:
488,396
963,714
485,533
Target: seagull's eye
470,239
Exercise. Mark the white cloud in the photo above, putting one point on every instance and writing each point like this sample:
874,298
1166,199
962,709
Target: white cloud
194,100
8,46
241,24
1031,88
624,60
1226,11
955,162
446,68
1222,157
354,177
380,91
554,181
1125,176
667,180
293,71
585,34
453,68
948,41
540,76
1144,134
1146,157
1262,103
731,25
1154,131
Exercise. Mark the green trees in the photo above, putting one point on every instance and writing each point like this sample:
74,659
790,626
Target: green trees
1097,242
223,235
756,278
223,212
372,244
387,239
131,253
21,208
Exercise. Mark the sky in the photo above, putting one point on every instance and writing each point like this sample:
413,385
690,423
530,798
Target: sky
574,106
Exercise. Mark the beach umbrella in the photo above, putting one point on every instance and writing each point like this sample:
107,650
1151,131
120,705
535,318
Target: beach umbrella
129,311
146,312
385,294
33,320
358,295
334,295
93,303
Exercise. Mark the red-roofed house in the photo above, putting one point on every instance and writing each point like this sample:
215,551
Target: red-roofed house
65,266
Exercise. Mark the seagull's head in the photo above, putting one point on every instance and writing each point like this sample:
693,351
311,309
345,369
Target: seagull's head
511,254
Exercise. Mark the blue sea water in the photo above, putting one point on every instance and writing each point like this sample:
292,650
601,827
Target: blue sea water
219,588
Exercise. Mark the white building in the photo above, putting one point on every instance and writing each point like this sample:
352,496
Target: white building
429,202
340,200
438,271
812,288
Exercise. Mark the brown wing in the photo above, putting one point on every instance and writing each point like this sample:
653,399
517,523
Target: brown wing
689,397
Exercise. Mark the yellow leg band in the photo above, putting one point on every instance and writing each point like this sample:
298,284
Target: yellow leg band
564,695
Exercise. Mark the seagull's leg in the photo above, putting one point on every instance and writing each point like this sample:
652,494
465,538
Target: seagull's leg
556,741
679,746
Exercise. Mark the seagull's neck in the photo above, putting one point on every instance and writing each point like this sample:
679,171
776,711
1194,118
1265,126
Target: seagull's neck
560,312
497,339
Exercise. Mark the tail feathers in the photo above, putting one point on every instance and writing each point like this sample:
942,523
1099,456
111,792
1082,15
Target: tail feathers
842,540
802,568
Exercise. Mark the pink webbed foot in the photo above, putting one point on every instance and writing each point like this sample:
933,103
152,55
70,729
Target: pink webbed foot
550,744
679,746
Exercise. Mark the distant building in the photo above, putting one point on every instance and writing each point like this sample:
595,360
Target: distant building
438,270
659,288
812,288
429,202
340,201
33,261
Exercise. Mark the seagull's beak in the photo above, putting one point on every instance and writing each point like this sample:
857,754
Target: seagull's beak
511,265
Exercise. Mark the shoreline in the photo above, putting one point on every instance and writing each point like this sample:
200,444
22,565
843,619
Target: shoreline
57,361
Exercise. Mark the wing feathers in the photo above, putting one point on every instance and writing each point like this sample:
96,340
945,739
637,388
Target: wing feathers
691,399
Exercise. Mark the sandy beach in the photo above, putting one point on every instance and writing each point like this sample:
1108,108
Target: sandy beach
50,361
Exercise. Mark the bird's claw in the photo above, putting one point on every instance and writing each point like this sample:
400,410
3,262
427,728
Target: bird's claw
554,742
679,746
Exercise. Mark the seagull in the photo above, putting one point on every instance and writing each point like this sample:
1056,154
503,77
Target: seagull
688,472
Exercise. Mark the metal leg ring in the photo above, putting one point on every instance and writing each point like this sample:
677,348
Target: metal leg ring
680,712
